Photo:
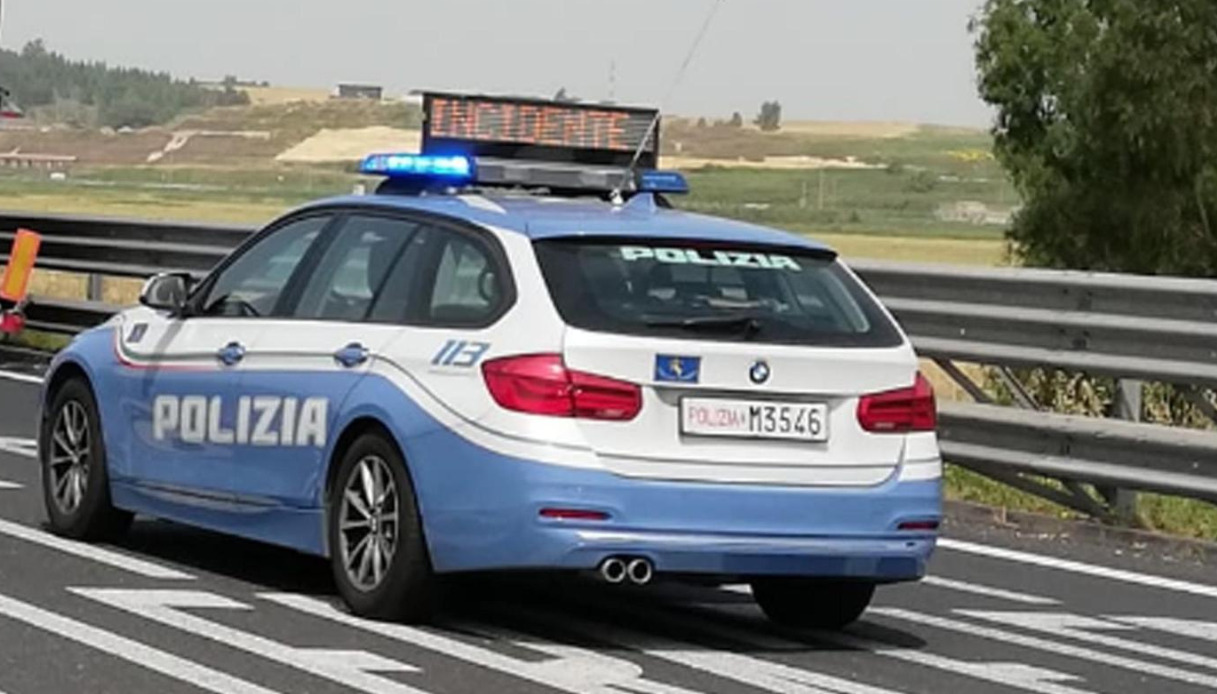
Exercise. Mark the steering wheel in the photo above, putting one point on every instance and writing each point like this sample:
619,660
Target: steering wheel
246,309
226,305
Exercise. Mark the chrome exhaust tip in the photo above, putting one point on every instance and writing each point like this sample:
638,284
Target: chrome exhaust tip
640,571
613,570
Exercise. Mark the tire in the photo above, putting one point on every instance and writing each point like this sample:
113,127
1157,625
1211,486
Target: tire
75,481
812,604
403,588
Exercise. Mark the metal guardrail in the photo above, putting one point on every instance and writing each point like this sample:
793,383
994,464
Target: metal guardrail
122,248
1151,328
1123,326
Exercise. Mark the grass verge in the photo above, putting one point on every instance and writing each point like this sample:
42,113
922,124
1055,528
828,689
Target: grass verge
36,340
1166,514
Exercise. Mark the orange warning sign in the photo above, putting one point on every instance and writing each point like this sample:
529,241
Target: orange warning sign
16,280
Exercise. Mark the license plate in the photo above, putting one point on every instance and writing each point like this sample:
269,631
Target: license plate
754,419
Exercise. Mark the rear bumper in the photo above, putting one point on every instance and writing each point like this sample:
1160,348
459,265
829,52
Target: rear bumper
483,513
878,559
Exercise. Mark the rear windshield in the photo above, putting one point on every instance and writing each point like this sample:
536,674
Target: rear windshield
722,292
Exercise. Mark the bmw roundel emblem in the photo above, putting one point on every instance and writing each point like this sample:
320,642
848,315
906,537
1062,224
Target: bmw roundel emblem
760,372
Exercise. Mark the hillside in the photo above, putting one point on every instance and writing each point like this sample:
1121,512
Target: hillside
232,136
245,162
304,130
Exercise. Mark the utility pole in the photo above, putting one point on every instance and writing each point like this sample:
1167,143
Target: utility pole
612,95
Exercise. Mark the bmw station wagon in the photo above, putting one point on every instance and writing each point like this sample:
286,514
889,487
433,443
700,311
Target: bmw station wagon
516,355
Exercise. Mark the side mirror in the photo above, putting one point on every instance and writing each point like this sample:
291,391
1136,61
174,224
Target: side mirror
166,292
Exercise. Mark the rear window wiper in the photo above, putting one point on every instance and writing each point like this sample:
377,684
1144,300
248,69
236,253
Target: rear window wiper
748,325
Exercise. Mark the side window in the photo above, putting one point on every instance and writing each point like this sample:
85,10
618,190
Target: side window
394,301
356,269
468,288
251,285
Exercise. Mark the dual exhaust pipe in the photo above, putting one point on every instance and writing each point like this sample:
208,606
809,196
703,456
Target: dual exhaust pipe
618,570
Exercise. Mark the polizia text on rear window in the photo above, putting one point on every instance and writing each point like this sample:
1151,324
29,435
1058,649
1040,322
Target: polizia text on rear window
712,291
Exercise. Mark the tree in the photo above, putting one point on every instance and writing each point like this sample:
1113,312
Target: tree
1107,123
770,118
130,111
232,96
43,80
737,120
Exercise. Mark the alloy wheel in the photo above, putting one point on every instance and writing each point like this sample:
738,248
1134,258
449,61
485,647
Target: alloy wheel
70,457
368,523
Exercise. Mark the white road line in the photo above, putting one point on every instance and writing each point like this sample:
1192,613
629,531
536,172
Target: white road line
1083,629
20,378
1192,628
766,675
988,591
132,651
575,670
1017,675
1055,647
1208,591
27,448
349,668
92,553
785,679
10,485
596,670
950,584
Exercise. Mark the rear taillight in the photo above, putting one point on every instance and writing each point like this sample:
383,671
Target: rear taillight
541,384
924,526
900,411
573,514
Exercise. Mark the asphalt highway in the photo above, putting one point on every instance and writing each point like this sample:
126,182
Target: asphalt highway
172,609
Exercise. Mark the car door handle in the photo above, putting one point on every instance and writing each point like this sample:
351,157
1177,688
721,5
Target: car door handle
352,355
231,354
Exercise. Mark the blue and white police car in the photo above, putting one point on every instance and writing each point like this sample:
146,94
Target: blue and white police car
515,356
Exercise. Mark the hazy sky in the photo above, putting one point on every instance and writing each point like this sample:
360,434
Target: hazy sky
823,59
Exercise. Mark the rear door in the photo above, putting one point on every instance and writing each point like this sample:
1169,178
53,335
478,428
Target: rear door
752,359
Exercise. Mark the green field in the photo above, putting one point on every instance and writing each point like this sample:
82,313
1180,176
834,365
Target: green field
894,191
892,212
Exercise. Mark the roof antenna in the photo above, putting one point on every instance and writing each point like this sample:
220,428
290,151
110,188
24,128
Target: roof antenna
617,194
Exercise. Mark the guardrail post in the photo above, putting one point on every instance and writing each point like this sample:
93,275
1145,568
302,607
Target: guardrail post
93,291
1127,406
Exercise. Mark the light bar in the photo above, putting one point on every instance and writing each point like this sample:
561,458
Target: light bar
419,166
662,182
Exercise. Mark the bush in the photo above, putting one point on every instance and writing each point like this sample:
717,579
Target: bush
921,182
770,118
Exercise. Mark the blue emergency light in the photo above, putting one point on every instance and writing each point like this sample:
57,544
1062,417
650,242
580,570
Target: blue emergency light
450,168
672,182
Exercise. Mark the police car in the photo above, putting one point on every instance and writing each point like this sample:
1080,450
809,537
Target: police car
517,355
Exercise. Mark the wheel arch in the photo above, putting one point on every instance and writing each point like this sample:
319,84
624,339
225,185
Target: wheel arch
62,373
351,432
